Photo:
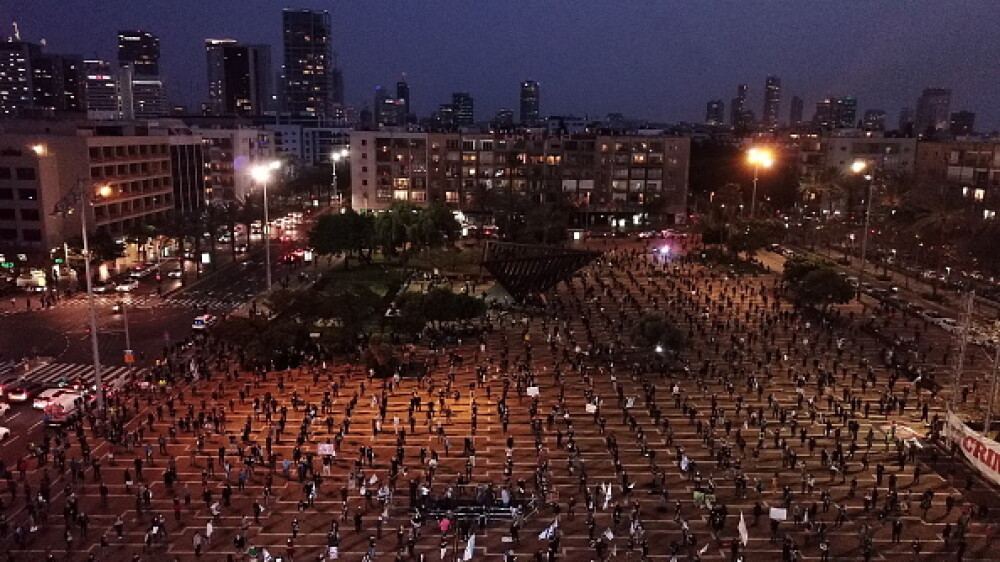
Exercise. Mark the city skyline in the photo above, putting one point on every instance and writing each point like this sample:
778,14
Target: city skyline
652,61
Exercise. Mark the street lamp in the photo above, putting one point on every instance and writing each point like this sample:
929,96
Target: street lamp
758,157
261,174
859,167
337,156
79,198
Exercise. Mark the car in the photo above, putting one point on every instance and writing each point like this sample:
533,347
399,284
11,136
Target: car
101,287
203,322
4,408
4,433
23,391
46,397
175,273
117,307
127,286
138,271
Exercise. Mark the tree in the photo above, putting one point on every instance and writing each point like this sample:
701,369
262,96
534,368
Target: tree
754,235
823,187
546,224
348,233
822,287
654,329
798,267
380,356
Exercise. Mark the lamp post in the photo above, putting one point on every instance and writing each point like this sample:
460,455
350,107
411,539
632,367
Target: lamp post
79,198
336,157
261,174
993,382
758,157
859,167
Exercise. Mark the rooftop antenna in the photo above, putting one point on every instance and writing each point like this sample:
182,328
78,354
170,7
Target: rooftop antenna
17,32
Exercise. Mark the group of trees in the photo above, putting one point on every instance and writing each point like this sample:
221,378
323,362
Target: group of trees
439,305
654,330
816,282
396,232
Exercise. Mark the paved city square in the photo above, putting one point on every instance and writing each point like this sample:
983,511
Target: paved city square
615,455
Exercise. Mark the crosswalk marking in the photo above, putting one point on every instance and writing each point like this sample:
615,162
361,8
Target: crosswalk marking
53,373
153,301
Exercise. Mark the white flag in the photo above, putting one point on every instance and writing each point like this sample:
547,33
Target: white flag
608,534
469,547
703,550
547,533
742,528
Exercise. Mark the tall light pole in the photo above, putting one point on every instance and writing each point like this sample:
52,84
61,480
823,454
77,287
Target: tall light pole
261,174
858,167
758,157
336,157
80,198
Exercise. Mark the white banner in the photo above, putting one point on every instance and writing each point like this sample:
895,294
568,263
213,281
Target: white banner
326,449
982,452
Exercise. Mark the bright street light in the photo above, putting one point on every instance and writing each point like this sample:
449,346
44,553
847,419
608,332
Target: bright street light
758,156
858,166
261,173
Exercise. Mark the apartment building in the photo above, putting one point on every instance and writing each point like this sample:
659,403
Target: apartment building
618,175
42,161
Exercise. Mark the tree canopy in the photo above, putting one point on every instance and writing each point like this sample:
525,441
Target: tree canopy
654,329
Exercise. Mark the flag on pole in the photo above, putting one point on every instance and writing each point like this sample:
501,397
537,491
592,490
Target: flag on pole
469,547
742,528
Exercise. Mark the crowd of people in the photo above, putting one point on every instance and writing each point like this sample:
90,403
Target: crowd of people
548,418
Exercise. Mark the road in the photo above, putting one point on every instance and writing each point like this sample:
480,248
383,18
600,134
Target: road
61,332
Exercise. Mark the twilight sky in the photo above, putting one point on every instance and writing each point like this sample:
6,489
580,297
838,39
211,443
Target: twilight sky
657,59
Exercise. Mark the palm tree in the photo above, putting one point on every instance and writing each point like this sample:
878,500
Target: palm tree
940,220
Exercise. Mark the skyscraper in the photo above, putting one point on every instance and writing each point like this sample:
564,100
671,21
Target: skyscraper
31,79
824,116
962,123
905,124
530,104
388,111
142,50
139,57
309,64
102,90
403,95
715,112
772,101
874,120
239,77
796,112
933,111
846,112
464,114
740,115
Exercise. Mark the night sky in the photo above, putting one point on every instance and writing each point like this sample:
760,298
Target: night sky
655,59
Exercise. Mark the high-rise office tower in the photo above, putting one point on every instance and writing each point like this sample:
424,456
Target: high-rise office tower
503,120
102,89
796,112
874,120
239,77
387,110
464,114
772,101
962,123
309,64
139,56
824,116
530,103
142,50
403,95
32,80
905,123
933,111
738,107
715,112
847,112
